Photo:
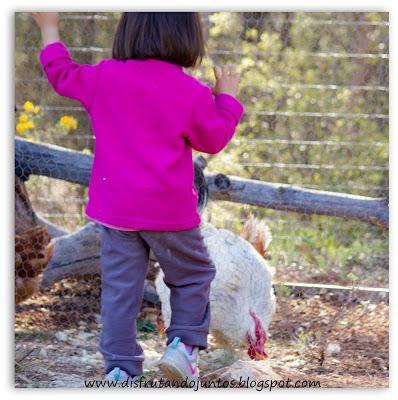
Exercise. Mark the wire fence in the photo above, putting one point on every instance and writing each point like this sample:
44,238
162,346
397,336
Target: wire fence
316,92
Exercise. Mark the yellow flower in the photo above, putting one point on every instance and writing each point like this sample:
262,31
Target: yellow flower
23,126
29,106
36,109
20,128
23,118
68,121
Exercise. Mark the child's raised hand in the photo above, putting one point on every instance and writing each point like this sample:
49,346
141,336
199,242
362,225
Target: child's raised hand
46,19
227,80
48,24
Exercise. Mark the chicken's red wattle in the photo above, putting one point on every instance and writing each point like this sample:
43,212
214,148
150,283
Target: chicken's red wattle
256,350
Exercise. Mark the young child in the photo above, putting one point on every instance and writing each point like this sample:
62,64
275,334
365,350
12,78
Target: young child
147,115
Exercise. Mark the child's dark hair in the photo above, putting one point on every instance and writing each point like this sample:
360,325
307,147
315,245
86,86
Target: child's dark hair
175,37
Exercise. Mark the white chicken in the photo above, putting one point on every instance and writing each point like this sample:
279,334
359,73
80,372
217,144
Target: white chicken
242,286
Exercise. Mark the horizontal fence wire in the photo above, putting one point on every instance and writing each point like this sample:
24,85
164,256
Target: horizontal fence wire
256,112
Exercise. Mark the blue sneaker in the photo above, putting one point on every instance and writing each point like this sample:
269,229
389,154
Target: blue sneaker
118,375
177,365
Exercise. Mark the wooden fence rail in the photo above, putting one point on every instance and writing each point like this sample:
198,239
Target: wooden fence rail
73,166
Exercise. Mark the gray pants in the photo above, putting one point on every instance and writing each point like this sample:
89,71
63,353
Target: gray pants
188,272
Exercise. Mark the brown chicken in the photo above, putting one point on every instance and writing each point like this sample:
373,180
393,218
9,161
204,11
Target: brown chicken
33,251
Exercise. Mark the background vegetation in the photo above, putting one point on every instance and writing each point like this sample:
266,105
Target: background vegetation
315,87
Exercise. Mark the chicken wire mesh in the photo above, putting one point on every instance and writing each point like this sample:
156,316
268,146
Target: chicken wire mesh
315,87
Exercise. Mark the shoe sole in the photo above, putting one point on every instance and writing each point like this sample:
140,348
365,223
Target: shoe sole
171,371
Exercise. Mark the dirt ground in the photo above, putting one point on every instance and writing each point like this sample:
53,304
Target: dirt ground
341,341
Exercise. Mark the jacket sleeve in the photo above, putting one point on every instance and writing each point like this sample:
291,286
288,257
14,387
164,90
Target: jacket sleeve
69,79
213,120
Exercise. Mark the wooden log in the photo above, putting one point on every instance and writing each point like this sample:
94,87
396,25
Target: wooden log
55,231
73,166
52,161
32,158
25,217
78,254
284,197
75,255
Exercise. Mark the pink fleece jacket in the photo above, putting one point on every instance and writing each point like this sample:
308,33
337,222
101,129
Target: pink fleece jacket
147,116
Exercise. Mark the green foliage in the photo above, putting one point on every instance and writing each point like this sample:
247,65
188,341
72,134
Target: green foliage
146,326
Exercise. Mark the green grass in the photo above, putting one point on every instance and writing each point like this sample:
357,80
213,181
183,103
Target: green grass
314,243
145,328
331,244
